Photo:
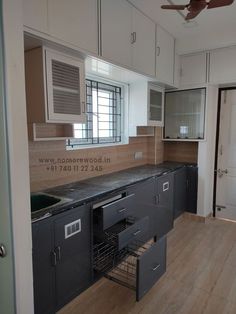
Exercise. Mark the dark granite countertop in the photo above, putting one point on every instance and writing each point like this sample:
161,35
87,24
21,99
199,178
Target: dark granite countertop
91,189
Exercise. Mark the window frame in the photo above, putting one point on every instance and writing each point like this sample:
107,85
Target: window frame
124,116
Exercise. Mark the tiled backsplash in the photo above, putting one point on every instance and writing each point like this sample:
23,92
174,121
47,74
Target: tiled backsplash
52,165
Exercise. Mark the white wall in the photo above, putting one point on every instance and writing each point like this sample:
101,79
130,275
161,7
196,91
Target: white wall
19,163
206,155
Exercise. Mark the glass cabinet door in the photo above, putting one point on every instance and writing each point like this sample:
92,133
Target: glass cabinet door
185,114
156,102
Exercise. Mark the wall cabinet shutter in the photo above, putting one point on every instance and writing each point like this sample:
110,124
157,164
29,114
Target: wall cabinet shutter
65,88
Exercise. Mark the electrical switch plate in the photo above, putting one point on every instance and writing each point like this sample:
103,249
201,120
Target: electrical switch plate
138,155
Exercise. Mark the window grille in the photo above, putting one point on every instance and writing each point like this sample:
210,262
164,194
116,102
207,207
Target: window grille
103,123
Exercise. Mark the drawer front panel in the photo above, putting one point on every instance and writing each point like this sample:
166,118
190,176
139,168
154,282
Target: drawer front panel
150,267
117,211
134,232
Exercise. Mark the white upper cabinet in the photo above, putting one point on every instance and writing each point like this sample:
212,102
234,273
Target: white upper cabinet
193,69
127,36
146,106
116,29
143,43
165,52
222,65
75,22
35,14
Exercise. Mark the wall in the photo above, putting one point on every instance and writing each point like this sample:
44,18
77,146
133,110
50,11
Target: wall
181,151
18,154
51,164
206,156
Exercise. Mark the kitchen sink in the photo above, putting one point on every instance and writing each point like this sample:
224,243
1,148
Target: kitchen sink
40,201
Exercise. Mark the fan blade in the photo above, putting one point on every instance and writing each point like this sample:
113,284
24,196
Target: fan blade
219,3
174,7
191,15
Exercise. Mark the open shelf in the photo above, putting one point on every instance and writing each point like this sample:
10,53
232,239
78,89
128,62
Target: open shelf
50,131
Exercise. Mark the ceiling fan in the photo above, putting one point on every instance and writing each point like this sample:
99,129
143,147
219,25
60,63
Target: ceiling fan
196,6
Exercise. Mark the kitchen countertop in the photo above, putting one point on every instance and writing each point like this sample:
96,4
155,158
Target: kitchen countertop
91,189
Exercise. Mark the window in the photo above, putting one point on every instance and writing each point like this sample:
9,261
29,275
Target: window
104,116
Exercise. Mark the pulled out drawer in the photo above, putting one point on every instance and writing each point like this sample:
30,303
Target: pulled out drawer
138,267
115,211
124,232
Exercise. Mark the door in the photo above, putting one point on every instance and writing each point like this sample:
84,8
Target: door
164,56
116,29
73,253
180,190
226,169
144,42
75,22
7,294
156,105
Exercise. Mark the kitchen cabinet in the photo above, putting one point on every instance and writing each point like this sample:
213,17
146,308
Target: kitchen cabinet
116,29
146,106
120,250
192,186
180,191
127,36
61,258
143,48
165,54
154,198
193,69
222,69
75,22
55,89
35,14
185,114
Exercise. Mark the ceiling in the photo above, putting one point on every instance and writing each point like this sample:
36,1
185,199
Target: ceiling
214,27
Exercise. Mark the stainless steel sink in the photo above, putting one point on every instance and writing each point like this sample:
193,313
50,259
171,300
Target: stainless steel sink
40,201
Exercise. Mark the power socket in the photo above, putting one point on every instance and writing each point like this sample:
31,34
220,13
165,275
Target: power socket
138,155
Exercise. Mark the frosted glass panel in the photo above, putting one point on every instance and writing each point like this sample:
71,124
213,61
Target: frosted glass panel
155,105
184,114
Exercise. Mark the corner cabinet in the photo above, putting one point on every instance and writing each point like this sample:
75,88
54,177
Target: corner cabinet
194,69
185,114
146,106
55,87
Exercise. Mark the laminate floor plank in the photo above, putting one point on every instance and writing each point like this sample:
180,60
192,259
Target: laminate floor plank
200,277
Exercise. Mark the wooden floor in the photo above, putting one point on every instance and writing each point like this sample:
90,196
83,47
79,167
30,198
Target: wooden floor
200,277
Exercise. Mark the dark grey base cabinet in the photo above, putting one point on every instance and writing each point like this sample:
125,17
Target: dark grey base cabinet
154,198
192,186
141,267
180,191
61,258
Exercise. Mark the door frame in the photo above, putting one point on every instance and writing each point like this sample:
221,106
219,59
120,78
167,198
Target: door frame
217,143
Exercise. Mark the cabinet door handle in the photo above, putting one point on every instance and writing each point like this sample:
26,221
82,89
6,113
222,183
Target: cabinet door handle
83,107
133,37
158,51
157,199
136,233
121,210
53,258
58,253
156,267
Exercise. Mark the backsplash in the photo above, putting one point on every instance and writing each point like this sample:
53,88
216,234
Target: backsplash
52,165
181,151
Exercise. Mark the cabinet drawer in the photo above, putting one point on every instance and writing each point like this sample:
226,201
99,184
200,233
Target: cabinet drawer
125,232
116,211
138,266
